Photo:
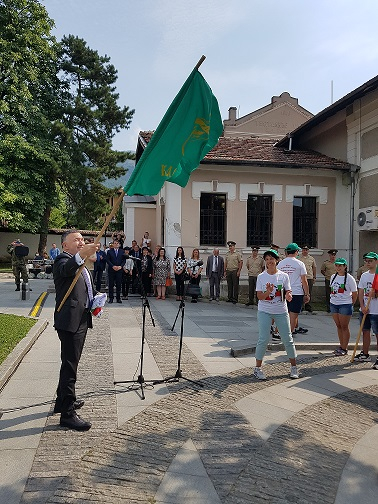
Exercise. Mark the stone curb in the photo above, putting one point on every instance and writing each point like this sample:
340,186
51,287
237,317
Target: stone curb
11,363
238,351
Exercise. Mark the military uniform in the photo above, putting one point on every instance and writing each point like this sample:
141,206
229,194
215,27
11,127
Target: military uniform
309,263
18,266
232,264
255,266
328,269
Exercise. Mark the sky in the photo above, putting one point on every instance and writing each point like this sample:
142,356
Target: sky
255,49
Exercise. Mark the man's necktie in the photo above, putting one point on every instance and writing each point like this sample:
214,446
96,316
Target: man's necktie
88,283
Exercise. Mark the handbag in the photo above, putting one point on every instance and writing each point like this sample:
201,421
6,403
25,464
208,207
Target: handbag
168,282
193,290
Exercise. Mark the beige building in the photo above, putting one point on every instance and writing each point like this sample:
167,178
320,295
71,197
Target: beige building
348,130
252,191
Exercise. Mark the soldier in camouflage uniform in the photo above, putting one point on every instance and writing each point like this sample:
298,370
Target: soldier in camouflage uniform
18,264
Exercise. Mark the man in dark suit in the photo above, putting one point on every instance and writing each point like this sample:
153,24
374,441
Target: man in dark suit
115,259
214,272
72,323
99,267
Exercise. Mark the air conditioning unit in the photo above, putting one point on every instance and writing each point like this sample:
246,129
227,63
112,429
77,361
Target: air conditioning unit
367,219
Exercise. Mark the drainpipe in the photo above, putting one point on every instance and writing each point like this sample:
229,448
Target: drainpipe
354,169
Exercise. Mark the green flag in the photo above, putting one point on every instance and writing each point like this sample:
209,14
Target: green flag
189,129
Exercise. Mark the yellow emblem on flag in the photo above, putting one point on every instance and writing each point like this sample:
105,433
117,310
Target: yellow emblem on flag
201,127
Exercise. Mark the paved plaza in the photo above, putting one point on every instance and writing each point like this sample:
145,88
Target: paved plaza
216,435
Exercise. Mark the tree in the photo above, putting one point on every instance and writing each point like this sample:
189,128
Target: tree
89,122
28,85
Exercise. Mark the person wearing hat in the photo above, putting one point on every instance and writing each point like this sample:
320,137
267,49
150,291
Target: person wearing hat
364,267
255,266
277,249
342,298
371,320
310,266
18,253
232,266
327,270
273,291
299,285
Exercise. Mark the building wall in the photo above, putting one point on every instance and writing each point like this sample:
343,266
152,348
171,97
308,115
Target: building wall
329,137
276,119
362,147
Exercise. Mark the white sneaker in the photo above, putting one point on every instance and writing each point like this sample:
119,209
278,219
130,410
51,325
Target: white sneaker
375,365
259,374
294,372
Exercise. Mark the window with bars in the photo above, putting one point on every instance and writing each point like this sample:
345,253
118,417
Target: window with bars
259,220
213,219
305,221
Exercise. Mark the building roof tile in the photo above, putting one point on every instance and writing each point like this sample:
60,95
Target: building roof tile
262,151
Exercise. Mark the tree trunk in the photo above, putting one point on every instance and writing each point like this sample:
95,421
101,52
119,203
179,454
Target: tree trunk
44,231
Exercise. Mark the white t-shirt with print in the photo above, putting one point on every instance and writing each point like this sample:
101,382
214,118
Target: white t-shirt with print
340,293
274,304
365,283
295,269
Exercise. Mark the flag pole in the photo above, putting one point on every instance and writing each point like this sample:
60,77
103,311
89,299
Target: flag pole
98,238
201,60
362,325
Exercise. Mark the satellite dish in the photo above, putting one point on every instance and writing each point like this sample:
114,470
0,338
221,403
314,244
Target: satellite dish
361,219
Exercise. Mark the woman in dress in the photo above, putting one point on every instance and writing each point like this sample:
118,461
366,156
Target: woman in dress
194,271
273,289
162,271
342,298
179,268
146,272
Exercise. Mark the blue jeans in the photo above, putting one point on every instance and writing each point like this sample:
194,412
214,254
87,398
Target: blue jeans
283,324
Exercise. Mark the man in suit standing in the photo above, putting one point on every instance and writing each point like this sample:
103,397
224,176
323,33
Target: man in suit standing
115,259
214,272
72,323
99,267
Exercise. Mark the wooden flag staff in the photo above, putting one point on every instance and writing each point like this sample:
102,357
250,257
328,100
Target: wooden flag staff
362,324
97,240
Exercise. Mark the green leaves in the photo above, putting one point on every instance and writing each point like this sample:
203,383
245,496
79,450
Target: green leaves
58,115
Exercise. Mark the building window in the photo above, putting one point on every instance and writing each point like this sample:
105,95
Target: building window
213,219
259,220
305,221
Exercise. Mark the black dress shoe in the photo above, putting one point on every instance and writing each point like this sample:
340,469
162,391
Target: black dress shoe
17,288
110,300
248,304
75,422
79,403
119,301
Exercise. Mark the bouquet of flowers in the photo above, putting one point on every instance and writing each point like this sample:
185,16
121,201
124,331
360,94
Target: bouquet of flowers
97,304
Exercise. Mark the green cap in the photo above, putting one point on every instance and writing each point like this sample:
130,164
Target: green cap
341,260
271,252
371,255
292,247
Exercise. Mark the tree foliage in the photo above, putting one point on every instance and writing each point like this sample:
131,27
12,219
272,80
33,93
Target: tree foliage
28,83
90,119
58,116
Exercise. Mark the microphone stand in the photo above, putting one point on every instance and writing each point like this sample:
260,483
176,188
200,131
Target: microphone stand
178,373
140,382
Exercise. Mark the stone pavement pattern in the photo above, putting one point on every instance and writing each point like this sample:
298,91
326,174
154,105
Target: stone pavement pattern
210,445
302,461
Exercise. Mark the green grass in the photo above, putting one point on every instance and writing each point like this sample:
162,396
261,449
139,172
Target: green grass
12,329
5,268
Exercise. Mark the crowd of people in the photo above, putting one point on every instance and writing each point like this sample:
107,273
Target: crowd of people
280,285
